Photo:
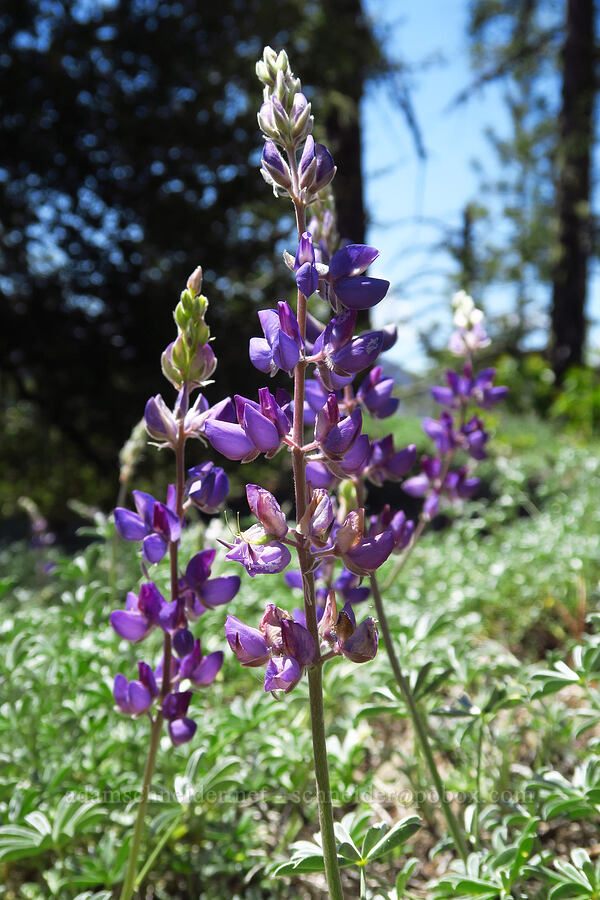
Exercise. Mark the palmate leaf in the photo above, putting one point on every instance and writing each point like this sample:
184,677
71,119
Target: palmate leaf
20,842
71,819
395,837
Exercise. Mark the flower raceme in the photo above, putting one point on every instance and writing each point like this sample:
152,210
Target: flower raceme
155,524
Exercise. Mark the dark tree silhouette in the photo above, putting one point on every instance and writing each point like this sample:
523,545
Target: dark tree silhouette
130,155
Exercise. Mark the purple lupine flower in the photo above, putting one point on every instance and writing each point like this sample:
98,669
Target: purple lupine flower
403,530
458,485
174,708
317,168
207,486
200,591
441,431
160,421
370,553
141,614
258,552
362,644
428,478
283,673
154,524
274,168
375,393
307,276
348,585
248,644
261,428
358,354
354,289
475,437
462,388
280,641
385,463
280,348
401,527
335,437
135,697
200,670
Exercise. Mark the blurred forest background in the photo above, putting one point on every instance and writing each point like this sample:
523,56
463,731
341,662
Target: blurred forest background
130,155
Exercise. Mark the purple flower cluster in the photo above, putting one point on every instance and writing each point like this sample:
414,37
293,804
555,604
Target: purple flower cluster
158,527
283,643
197,592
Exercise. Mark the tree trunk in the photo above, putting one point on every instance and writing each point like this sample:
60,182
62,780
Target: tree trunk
573,189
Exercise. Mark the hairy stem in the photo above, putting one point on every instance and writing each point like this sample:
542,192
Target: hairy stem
315,675
418,723
130,878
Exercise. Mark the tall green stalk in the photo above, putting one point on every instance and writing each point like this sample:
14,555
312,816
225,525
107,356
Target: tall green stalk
315,675
129,884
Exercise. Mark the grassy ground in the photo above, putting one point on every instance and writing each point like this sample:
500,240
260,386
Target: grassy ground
496,609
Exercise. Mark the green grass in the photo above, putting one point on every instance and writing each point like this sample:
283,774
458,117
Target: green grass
484,605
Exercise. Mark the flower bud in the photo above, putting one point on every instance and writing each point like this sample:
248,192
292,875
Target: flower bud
201,366
266,121
267,510
275,166
194,282
160,421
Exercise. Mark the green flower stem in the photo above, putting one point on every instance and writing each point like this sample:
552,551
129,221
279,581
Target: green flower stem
130,878
129,885
169,832
315,675
418,723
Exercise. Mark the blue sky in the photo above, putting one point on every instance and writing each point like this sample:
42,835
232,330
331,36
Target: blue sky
408,199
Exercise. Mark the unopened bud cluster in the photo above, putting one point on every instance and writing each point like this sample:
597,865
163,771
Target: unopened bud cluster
286,122
189,359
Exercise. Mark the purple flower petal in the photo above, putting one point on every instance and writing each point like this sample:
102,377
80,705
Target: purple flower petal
318,475
154,548
282,674
260,430
139,697
218,591
120,691
416,486
247,643
352,260
370,553
129,525
359,354
228,439
361,292
286,352
181,731
208,669
297,642
198,568
144,503
261,355
131,626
